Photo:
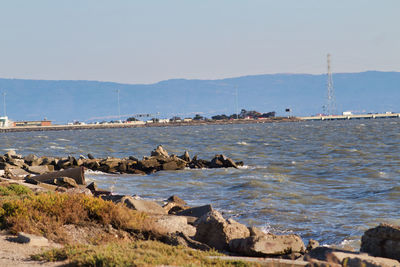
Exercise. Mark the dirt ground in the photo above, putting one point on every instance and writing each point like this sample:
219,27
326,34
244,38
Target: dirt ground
18,255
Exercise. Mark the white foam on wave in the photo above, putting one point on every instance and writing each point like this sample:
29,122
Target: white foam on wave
62,139
41,136
242,143
91,172
244,167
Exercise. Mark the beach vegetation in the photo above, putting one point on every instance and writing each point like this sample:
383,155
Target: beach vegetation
136,253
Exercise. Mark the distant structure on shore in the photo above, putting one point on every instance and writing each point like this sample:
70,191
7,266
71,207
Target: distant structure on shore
5,122
31,123
330,108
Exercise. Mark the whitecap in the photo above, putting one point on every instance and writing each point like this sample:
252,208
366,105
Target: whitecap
242,143
91,172
62,139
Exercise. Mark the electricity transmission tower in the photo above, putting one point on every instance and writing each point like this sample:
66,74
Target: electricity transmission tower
331,102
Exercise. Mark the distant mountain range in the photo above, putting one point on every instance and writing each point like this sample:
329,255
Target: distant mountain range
305,94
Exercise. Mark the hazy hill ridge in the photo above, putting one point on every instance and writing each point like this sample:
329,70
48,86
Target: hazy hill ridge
305,94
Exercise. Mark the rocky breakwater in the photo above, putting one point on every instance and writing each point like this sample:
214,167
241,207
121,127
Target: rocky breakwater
18,167
176,223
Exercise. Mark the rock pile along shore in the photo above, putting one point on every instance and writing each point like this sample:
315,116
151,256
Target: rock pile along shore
17,167
196,227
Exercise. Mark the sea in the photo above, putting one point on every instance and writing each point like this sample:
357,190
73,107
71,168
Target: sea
323,180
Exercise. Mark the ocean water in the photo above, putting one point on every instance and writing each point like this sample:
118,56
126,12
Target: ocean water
326,180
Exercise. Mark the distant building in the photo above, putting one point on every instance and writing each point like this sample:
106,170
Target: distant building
4,122
32,123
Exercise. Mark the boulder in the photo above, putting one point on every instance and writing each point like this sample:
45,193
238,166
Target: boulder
181,239
149,164
32,160
221,161
41,169
110,164
76,190
185,156
196,211
47,161
64,182
90,156
20,163
177,200
174,165
382,241
92,164
78,174
169,224
12,172
11,154
174,205
215,231
199,163
264,244
348,258
311,245
159,151
137,204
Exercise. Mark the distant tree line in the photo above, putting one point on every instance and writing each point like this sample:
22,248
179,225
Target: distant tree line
251,114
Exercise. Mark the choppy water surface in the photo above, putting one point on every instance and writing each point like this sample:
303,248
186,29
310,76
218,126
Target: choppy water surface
324,180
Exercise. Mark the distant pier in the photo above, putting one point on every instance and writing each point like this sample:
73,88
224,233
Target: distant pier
351,117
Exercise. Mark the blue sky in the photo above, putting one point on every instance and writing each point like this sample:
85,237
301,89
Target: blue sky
149,41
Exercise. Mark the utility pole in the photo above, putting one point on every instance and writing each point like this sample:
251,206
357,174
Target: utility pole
119,107
236,103
331,102
4,104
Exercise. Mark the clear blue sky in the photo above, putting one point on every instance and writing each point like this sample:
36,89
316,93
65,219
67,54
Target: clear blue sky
148,41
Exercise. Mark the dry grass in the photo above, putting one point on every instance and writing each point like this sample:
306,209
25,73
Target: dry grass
138,253
59,216
46,213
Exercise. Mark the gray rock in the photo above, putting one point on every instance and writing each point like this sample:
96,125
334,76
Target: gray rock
137,204
10,154
267,245
42,169
159,151
196,211
32,240
173,165
15,173
148,164
181,239
312,244
185,157
215,231
177,200
169,224
17,162
75,190
65,182
90,156
382,241
221,161
348,258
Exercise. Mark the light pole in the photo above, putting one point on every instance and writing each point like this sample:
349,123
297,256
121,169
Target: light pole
4,104
119,107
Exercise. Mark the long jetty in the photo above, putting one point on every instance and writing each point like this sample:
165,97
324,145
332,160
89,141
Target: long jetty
134,125
351,117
